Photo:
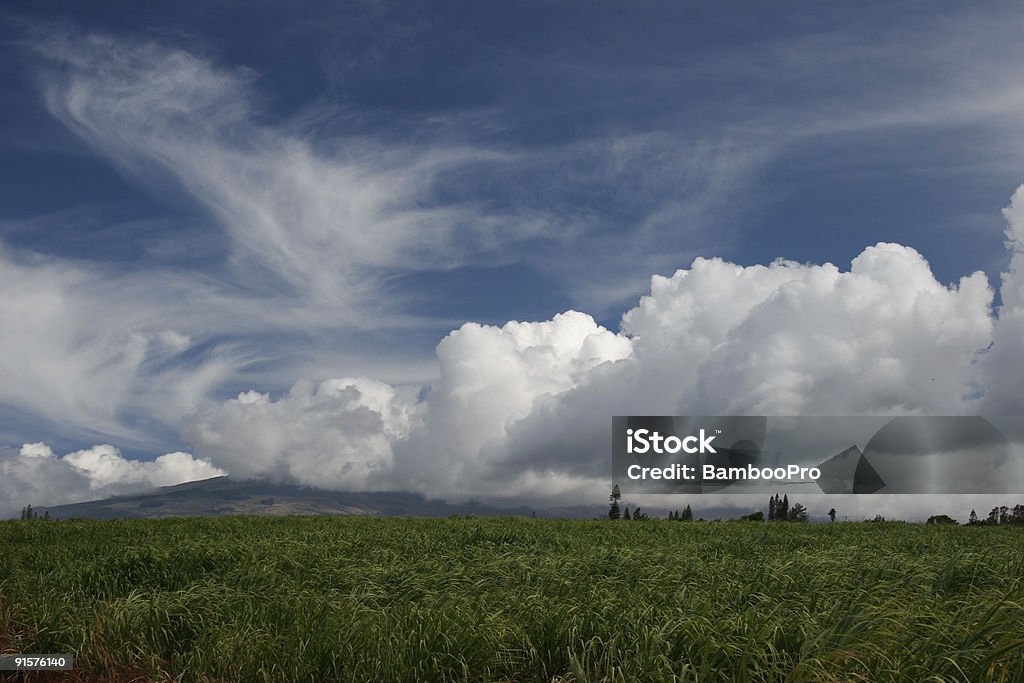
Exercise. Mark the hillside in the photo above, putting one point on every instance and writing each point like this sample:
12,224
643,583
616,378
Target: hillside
224,496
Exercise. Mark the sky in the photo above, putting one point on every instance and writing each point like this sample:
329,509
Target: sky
435,246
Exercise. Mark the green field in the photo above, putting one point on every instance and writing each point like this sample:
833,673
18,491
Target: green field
498,599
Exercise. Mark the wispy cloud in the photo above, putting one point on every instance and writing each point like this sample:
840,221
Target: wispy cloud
321,222
314,232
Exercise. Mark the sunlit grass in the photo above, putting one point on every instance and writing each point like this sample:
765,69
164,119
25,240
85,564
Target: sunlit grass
366,599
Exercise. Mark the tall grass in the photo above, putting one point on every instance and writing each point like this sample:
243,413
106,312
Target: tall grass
368,599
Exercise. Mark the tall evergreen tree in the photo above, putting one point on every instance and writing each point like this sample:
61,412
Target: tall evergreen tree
832,514
613,509
782,512
771,509
688,514
625,515
973,519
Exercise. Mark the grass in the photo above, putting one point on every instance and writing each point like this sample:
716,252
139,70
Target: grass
467,599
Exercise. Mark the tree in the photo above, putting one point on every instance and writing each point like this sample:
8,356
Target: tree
832,514
639,516
782,511
613,509
1018,515
625,515
753,517
798,513
771,509
993,516
688,514
973,519
616,493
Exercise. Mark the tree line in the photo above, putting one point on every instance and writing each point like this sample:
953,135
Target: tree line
28,513
999,515
780,510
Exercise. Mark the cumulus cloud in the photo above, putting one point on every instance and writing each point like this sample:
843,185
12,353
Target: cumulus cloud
34,474
798,339
1003,386
523,409
360,433
883,337
337,434
491,378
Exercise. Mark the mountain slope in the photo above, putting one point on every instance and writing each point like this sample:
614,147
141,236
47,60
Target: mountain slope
224,496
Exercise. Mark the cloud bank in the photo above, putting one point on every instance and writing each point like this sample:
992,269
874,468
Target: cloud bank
523,409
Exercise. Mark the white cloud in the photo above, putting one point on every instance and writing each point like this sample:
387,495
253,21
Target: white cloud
35,475
360,433
883,337
785,339
491,378
523,410
106,469
1000,367
321,221
338,434
83,346
313,228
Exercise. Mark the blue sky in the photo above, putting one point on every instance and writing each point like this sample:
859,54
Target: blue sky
240,196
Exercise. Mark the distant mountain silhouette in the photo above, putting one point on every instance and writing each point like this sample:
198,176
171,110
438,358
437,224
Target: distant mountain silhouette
225,496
